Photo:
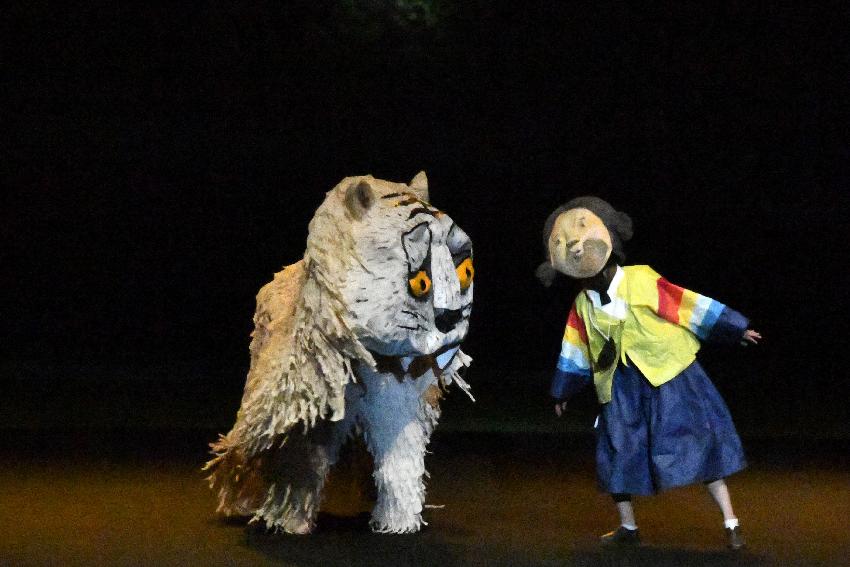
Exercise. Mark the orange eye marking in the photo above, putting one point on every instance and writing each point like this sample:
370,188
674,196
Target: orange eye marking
465,273
420,284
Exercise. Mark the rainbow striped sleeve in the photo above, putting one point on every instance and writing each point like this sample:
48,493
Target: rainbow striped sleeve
707,318
573,371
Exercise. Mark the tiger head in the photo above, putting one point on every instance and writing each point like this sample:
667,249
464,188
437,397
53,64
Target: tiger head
405,273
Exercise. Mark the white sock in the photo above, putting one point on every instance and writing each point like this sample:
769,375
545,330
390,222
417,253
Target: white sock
731,523
627,514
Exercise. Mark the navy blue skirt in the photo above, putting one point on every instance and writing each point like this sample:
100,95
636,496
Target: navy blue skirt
651,439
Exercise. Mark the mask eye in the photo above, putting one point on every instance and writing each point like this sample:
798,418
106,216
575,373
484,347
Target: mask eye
465,273
420,284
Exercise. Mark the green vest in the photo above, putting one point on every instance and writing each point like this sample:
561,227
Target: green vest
660,349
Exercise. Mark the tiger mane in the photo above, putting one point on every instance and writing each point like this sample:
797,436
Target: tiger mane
303,352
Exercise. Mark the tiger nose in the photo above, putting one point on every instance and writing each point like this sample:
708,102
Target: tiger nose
446,319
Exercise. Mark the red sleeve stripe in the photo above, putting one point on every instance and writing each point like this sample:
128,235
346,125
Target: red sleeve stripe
575,321
669,300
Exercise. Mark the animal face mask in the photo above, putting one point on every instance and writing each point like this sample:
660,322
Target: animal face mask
410,292
580,244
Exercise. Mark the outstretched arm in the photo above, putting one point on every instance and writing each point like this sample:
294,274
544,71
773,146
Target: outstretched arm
705,317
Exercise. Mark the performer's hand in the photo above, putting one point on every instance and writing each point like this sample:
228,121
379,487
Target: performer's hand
560,408
751,336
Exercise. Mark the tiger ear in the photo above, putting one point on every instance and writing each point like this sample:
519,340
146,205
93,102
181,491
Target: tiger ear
419,186
359,198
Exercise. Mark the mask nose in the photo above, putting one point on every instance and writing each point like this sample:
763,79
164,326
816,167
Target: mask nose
446,319
576,246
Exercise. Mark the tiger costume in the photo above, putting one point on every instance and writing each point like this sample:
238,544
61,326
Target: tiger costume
360,337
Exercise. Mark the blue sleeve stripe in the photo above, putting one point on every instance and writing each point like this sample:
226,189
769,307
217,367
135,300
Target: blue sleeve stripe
710,317
569,365
572,357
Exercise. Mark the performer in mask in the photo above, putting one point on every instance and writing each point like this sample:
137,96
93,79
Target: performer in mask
635,335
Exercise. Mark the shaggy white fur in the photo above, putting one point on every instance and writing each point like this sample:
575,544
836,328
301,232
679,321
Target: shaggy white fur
360,337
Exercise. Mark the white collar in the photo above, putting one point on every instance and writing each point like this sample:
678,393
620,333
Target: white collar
617,306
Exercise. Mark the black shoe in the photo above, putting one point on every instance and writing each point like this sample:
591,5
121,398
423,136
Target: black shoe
622,536
736,540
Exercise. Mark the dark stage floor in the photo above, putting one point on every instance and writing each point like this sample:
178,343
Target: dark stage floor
136,497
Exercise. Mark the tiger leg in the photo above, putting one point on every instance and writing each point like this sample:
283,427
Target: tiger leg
296,475
397,426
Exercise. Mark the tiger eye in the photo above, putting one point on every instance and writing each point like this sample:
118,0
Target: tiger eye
465,273
420,284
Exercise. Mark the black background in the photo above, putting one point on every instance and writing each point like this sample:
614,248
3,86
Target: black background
160,164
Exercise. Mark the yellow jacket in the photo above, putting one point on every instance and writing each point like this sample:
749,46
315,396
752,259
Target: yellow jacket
650,322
